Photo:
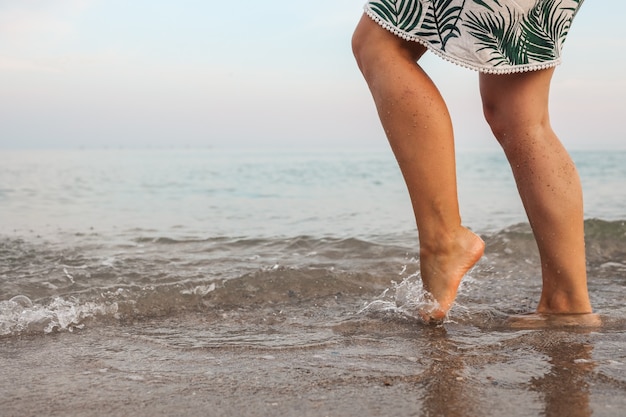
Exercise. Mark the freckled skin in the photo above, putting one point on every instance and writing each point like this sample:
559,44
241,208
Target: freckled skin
418,127
516,108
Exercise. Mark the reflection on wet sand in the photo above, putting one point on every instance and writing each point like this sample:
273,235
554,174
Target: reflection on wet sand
565,387
448,391
549,369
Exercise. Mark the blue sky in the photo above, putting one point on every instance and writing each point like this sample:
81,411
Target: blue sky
153,73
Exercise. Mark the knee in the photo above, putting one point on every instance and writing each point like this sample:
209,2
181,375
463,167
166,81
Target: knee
498,115
516,107
514,125
496,119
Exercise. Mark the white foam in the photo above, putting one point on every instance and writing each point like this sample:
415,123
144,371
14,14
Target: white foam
407,298
20,315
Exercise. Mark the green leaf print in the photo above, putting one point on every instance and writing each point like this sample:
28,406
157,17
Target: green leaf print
524,38
482,3
483,34
498,35
543,28
403,14
441,22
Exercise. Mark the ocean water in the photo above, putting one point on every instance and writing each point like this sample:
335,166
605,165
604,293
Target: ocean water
293,251
90,233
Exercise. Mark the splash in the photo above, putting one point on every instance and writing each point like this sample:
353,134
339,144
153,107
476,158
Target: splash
20,315
407,298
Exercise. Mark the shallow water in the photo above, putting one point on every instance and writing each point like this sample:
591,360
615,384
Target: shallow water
315,360
49,287
292,280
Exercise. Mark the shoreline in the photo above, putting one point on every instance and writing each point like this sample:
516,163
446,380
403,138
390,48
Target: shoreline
370,366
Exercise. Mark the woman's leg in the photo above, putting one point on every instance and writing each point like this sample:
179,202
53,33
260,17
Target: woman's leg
516,107
418,126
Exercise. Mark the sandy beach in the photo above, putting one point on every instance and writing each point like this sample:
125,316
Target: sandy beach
362,366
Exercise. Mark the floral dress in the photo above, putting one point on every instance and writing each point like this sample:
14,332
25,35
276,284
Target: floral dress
491,36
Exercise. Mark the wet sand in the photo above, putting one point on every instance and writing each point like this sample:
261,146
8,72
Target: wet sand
240,363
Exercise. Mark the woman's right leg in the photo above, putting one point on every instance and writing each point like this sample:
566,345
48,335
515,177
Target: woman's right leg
418,126
516,107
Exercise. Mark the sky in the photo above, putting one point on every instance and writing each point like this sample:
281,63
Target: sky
249,73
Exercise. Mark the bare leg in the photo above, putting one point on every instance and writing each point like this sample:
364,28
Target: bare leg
516,107
418,126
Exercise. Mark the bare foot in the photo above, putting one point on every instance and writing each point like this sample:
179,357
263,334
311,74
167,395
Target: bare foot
443,269
544,321
555,301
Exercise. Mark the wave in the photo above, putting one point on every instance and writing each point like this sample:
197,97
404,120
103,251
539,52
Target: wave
605,241
48,288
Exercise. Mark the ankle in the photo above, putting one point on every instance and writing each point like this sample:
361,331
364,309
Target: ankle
565,302
451,241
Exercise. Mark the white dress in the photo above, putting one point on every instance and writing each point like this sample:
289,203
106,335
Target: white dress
491,36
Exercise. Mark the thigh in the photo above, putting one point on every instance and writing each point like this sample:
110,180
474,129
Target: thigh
521,95
371,35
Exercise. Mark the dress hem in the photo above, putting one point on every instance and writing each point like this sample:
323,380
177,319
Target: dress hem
458,61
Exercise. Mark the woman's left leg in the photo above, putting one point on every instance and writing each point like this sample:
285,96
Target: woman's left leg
419,130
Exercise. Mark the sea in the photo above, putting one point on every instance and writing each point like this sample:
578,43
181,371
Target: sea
309,253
